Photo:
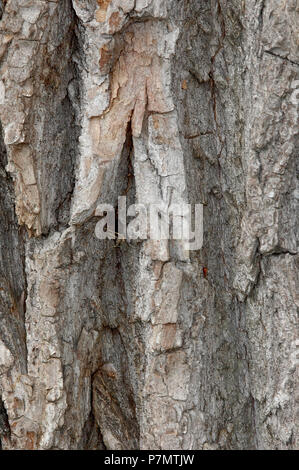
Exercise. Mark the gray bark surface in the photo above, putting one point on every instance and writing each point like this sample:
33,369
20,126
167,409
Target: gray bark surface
137,346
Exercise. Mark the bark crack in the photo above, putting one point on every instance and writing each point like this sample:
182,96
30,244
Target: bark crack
281,57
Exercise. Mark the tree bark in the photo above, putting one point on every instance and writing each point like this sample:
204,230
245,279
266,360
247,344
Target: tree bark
138,345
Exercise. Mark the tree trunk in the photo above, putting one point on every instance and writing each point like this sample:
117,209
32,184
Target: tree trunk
139,344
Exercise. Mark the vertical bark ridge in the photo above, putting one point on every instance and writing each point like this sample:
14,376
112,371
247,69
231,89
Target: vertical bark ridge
138,344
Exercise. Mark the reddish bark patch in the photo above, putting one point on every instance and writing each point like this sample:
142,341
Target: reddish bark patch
114,21
30,440
105,59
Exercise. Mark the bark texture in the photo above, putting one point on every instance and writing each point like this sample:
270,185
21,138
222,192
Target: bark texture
140,346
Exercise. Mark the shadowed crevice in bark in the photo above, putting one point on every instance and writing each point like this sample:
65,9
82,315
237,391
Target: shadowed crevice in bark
12,271
113,399
138,344
92,438
59,102
4,424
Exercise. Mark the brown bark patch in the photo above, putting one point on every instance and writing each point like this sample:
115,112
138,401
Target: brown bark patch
102,10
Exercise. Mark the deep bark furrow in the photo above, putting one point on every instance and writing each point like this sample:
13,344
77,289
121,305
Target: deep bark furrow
139,344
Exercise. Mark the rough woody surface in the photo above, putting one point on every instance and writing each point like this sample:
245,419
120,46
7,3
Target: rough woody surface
139,346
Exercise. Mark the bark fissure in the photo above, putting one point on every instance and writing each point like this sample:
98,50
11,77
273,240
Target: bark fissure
138,344
281,57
